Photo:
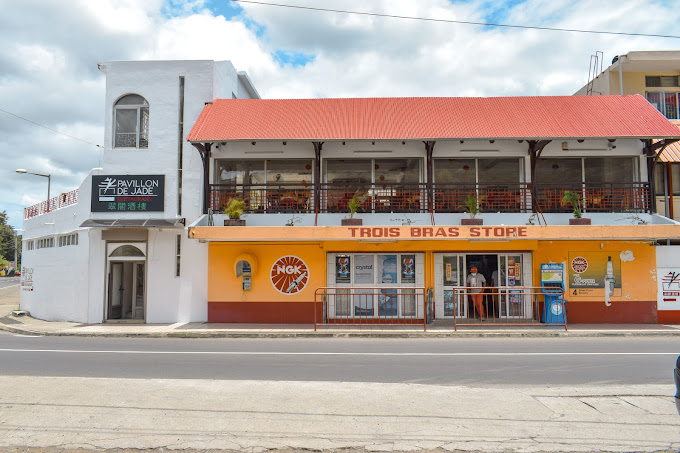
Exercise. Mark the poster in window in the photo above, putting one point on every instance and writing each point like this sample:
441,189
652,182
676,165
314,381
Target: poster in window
363,270
408,268
343,267
387,269
450,270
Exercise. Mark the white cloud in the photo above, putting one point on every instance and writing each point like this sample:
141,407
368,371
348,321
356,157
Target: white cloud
50,50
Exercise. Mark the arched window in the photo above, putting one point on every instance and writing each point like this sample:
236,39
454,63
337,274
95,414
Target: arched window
125,251
131,122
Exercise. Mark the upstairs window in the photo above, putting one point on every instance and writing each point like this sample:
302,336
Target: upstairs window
665,102
662,81
131,122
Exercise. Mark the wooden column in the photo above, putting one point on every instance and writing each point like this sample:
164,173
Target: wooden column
535,149
317,179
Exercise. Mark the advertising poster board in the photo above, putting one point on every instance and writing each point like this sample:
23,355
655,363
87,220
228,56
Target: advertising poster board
669,288
363,276
588,272
343,266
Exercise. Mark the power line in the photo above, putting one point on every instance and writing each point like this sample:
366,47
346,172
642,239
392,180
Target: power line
50,129
451,21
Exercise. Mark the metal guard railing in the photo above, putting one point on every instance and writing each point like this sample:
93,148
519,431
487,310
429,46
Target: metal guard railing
372,305
506,306
54,203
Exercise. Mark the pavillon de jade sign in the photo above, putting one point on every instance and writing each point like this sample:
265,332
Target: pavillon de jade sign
128,193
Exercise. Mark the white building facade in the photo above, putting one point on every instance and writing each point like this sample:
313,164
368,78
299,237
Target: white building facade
77,268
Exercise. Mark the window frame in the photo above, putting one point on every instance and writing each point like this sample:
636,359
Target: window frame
117,106
662,101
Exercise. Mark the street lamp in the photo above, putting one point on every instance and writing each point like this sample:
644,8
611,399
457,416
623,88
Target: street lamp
23,170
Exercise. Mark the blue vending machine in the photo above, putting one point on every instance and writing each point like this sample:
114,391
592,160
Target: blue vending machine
552,286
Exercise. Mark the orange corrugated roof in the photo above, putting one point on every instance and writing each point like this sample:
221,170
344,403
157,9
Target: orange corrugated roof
672,152
431,118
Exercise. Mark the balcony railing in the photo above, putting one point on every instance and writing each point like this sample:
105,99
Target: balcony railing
413,198
600,197
261,198
58,202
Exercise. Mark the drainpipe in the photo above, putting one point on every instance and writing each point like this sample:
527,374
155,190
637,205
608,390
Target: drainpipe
620,75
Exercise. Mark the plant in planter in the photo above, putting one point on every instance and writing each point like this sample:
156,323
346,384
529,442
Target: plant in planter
235,208
574,199
353,205
473,206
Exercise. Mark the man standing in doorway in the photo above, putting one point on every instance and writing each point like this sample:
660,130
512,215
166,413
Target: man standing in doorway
476,281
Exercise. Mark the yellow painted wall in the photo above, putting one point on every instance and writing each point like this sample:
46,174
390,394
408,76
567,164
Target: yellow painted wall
634,82
638,276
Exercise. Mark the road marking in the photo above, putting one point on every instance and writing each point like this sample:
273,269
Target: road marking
371,354
8,287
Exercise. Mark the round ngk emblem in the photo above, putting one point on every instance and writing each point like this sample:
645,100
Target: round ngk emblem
289,274
579,264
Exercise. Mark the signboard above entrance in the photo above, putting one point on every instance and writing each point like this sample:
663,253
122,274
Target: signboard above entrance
128,193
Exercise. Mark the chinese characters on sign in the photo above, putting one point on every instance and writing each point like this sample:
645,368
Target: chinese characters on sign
128,193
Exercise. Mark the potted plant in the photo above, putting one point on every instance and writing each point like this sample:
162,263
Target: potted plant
574,199
472,206
235,208
353,205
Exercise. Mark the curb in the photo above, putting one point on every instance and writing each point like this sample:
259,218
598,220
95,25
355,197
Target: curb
242,334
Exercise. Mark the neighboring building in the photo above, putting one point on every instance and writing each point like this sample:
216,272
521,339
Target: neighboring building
656,76
410,164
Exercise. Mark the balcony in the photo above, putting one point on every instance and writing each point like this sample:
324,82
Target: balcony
54,203
413,198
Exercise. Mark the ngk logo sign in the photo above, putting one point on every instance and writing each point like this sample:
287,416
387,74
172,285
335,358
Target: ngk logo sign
289,275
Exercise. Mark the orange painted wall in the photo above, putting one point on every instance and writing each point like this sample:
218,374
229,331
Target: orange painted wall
224,286
637,299
636,302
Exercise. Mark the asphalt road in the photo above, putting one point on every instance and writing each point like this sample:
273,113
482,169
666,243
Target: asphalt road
9,281
476,362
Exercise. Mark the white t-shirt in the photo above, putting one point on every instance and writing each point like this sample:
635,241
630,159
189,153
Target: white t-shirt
476,281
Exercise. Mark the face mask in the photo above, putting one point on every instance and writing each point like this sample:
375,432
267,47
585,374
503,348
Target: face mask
474,274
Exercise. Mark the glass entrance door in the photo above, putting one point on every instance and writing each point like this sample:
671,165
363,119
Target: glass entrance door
126,295
510,279
453,277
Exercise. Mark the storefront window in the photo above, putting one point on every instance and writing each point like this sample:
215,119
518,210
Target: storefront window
455,171
240,172
660,178
498,171
289,171
354,173
559,171
376,285
361,172
272,171
605,170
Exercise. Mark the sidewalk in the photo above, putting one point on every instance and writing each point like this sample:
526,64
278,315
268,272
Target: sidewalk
27,325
